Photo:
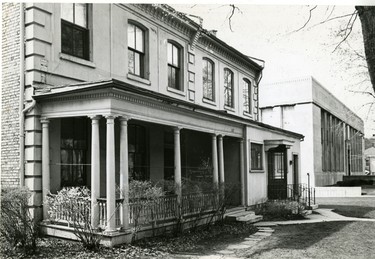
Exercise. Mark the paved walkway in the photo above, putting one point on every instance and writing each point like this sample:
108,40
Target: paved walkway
265,230
324,215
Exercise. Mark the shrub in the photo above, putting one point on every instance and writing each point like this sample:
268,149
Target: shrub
17,226
280,210
75,201
144,195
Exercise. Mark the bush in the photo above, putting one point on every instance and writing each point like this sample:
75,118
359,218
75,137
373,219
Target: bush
17,225
74,201
280,210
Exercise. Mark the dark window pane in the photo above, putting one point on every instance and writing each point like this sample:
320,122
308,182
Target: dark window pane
66,39
256,157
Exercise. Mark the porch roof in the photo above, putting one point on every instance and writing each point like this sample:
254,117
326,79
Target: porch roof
46,93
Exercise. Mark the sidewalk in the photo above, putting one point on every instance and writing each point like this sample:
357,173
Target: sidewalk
319,215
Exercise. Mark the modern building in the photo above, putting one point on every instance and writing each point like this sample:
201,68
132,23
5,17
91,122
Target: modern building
333,145
370,160
97,94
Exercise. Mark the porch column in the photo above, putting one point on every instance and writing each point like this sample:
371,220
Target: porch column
124,171
110,172
242,171
177,163
215,170
45,165
221,159
95,170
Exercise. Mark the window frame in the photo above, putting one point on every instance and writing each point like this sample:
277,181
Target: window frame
142,54
227,86
74,27
260,167
248,96
178,86
208,61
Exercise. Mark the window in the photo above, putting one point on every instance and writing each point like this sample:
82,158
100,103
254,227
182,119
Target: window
208,79
73,151
246,96
137,153
174,66
136,50
228,88
256,156
74,30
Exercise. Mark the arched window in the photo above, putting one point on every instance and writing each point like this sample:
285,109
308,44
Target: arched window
208,79
246,95
228,88
136,50
174,66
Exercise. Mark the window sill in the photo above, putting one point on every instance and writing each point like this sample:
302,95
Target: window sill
138,79
248,115
170,89
76,60
208,101
229,108
257,171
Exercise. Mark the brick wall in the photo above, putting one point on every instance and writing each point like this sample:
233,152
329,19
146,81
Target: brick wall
10,91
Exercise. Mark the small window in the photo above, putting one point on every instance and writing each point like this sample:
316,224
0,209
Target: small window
228,88
74,30
136,50
256,156
174,66
208,79
246,96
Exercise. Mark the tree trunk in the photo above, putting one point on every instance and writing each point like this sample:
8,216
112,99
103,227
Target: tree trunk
367,17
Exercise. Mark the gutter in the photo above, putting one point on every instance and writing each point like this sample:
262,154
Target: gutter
21,100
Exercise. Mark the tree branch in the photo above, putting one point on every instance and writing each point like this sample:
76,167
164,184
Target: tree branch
349,27
308,20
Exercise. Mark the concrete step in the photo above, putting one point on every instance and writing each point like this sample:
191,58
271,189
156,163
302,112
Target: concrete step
253,219
313,207
243,216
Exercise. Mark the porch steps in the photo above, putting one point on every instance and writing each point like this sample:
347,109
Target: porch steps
242,215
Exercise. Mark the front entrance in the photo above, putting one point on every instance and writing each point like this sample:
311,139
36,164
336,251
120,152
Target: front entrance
277,173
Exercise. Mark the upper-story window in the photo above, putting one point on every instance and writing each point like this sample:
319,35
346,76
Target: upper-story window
74,30
246,95
136,50
228,88
174,66
208,79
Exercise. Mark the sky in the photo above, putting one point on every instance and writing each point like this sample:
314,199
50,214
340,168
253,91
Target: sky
269,32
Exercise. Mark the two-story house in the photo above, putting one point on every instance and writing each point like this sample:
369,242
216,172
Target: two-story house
97,94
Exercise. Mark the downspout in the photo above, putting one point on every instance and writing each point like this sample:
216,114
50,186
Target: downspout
21,100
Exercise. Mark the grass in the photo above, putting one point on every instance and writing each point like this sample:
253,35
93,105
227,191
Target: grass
203,240
319,240
361,207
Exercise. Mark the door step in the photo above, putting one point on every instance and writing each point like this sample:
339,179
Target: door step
243,216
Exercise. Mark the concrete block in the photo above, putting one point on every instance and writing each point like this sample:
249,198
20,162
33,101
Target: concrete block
34,31
32,123
33,153
338,191
36,199
35,15
34,184
33,168
33,138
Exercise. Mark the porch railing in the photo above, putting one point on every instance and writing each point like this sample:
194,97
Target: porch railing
71,211
102,204
162,209
295,192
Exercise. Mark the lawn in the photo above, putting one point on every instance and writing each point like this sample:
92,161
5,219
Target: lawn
200,241
361,207
320,240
